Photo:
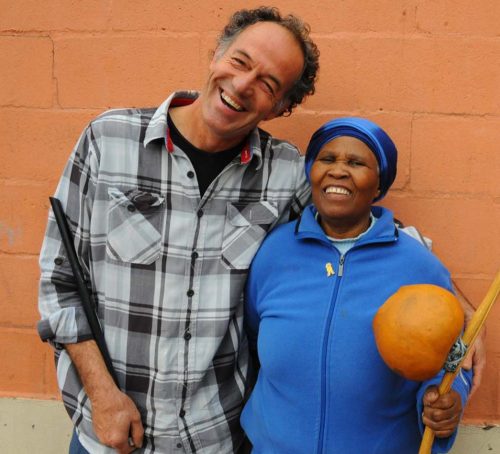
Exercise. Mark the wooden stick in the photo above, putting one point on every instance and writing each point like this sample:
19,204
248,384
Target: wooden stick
469,336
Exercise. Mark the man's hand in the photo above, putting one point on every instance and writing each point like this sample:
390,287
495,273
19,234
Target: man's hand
115,417
476,357
441,413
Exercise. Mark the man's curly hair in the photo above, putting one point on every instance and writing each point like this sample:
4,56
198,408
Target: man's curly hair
304,86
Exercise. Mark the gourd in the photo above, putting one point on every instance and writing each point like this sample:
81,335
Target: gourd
416,328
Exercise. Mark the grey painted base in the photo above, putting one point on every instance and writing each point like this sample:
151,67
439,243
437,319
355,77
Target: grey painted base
43,427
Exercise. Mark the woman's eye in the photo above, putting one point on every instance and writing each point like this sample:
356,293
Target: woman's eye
355,163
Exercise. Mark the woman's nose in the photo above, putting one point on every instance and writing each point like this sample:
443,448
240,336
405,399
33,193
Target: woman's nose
338,170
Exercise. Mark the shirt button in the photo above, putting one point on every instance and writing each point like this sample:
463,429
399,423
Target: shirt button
187,336
190,174
190,292
182,413
179,445
58,260
131,208
200,213
194,255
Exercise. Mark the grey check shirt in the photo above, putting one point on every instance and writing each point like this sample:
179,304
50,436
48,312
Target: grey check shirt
167,269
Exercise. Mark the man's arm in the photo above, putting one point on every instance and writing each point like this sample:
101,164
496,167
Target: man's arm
114,415
63,322
476,356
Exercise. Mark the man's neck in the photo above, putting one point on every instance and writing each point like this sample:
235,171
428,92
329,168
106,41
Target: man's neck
189,122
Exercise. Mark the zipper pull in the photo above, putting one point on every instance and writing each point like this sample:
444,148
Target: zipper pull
341,266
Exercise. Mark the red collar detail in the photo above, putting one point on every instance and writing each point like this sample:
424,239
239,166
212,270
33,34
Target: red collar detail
177,102
246,154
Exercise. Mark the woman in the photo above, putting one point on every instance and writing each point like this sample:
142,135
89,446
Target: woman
313,290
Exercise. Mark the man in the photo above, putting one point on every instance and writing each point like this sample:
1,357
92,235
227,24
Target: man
168,208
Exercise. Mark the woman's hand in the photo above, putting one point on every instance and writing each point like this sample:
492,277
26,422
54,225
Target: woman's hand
441,413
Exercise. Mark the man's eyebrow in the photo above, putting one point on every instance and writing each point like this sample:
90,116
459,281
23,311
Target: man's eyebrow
270,76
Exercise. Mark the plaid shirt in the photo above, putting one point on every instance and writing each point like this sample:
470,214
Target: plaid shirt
167,269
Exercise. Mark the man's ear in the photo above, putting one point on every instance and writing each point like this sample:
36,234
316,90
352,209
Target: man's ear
278,110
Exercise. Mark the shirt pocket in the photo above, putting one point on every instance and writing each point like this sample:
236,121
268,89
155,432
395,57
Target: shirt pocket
135,220
245,227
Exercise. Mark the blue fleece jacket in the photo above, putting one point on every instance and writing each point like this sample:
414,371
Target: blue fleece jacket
322,386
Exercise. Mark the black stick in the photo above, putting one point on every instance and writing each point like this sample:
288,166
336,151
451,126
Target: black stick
81,284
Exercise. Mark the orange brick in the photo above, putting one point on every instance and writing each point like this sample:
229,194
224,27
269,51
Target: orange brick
475,289
461,17
422,74
199,16
461,229
23,216
454,154
393,16
42,140
124,71
336,86
19,290
23,15
482,408
26,76
24,359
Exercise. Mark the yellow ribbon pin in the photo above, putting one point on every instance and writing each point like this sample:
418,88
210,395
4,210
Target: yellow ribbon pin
329,269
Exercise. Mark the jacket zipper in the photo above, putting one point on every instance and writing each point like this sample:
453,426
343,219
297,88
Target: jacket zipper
326,338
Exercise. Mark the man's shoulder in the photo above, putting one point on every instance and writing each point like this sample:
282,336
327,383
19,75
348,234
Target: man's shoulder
128,115
278,145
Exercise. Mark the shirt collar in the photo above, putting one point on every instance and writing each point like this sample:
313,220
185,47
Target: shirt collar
158,129
383,230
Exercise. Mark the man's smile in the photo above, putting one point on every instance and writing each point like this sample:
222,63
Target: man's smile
230,102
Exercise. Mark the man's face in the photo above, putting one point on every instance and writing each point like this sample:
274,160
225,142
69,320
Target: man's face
248,80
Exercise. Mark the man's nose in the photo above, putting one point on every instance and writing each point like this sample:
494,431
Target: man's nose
243,83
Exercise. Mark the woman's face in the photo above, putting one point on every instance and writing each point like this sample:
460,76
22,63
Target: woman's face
344,181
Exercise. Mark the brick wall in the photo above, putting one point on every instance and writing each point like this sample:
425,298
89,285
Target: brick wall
428,71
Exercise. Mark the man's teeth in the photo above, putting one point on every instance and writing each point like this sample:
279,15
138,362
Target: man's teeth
231,103
336,190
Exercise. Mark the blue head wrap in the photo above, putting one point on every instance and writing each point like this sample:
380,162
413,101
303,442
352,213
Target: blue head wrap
368,132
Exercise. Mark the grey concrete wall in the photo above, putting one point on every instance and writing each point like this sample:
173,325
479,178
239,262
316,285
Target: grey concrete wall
43,427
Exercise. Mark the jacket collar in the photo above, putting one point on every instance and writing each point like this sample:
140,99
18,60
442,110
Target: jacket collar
383,231
158,129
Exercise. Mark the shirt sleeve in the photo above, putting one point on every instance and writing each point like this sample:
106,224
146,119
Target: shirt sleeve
302,196
62,317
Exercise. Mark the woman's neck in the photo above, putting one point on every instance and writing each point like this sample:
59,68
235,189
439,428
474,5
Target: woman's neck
342,229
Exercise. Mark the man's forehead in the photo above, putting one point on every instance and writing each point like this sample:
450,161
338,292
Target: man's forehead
268,32
268,40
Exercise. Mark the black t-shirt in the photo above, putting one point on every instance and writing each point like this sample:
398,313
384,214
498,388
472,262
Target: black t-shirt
207,165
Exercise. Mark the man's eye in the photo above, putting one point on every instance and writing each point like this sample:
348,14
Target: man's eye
268,87
237,61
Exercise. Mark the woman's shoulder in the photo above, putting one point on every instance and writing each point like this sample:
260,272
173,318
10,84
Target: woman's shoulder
416,254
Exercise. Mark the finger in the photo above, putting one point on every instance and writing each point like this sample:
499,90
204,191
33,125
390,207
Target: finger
443,433
124,447
478,376
430,395
137,433
467,363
